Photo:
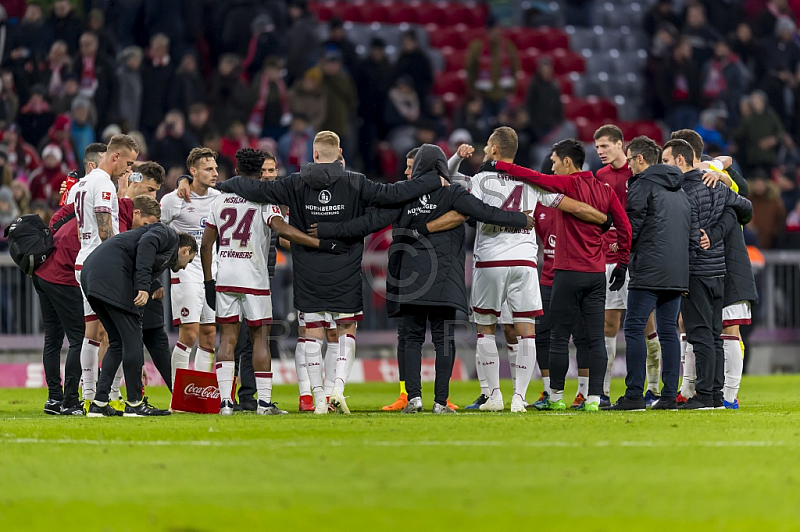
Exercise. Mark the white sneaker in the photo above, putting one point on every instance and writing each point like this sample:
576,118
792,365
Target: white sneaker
338,402
518,404
493,403
226,408
321,406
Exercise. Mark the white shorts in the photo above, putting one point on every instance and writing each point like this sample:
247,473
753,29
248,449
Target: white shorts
616,300
327,320
88,312
736,314
233,307
189,304
516,286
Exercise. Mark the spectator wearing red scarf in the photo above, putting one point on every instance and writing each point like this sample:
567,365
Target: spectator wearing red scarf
59,134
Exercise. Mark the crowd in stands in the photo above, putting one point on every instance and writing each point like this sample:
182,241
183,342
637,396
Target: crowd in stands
270,74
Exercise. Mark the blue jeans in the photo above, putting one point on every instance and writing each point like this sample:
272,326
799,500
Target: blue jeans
667,305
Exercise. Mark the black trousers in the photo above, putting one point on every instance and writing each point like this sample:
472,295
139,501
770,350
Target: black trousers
157,344
125,346
578,295
243,358
702,319
62,312
544,325
442,320
401,350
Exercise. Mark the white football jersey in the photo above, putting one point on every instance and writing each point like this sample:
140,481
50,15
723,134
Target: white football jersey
243,251
498,244
93,194
188,218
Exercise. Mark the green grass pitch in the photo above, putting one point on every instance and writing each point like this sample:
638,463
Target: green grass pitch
719,470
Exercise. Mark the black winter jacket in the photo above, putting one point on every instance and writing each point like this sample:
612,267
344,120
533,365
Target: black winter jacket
129,262
740,283
327,193
660,218
426,269
707,205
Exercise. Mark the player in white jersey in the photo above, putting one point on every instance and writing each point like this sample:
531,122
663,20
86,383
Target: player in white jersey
190,311
97,212
242,288
505,268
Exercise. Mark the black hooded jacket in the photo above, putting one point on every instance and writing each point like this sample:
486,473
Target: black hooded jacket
129,262
740,283
708,204
327,193
660,218
425,269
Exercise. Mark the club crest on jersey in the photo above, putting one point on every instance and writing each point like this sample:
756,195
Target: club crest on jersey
324,197
551,241
203,221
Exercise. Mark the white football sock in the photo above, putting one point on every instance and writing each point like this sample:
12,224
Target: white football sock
513,352
481,375
526,360
89,355
653,366
331,354
734,365
114,394
180,358
684,343
490,360
203,360
224,372
264,386
611,353
689,373
583,386
314,367
593,399
303,384
546,384
347,349
351,359
556,395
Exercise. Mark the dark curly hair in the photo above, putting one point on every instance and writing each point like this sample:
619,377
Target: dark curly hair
249,162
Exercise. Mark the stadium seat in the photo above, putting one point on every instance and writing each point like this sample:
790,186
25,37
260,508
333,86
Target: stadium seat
529,59
323,10
401,12
453,59
455,37
642,127
376,12
553,39
437,60
586,128
456,13
454,82
565,85
452,101
429,13
602,109
523,82
575,107
580,38
606,40
350,11
565,61
525,38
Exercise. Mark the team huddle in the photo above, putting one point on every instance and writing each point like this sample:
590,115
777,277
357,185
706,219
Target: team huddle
663,241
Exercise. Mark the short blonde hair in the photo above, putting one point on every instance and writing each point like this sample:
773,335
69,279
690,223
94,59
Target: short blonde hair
147,205
122,142
327,144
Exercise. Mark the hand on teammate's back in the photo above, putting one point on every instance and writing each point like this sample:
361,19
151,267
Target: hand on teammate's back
211,293
705,242
531,220
141,298
617,280
312,231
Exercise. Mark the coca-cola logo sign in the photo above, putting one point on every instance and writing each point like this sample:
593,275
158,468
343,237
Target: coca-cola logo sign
207,392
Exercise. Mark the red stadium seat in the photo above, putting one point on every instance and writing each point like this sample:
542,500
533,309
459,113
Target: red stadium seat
586,128
455,37
349,11
553,38
323,10
388,159
523,82
602,109
525,38
375,12
565,84
455,82
452,101
646,128
529,59
565,61
457,13
453,59
575,108
429,13
401,12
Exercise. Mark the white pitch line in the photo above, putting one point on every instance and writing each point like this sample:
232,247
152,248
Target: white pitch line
403,443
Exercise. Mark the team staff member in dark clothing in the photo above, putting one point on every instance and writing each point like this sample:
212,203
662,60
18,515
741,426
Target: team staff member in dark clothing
659,212
702,308
579,282
324,191
427,279
117,278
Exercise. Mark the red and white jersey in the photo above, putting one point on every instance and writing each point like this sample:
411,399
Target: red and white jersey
243,250
93,194
188,218
507,246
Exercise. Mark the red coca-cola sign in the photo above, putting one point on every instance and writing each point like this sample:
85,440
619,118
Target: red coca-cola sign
195,391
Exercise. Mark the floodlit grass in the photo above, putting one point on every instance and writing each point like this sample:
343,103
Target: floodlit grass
718,470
